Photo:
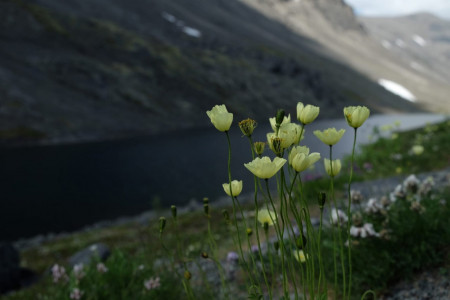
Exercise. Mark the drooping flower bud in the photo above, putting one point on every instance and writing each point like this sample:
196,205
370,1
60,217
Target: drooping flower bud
247,126
205,200
162,224
204,255
173,208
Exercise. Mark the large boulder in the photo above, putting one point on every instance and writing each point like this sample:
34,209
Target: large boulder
86,255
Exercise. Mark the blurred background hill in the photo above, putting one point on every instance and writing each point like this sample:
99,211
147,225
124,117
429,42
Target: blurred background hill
73,71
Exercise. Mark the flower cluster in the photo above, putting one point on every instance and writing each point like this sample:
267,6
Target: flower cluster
363,231
76,294
152,283
291,159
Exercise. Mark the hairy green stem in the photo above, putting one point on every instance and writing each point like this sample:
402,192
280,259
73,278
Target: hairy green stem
350,217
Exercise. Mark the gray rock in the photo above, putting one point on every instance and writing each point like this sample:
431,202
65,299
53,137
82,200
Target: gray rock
86,255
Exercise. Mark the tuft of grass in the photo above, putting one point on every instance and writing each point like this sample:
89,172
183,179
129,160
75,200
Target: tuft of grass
392,153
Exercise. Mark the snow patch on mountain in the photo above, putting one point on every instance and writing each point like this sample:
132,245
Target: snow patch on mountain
192,31
397,89
419,40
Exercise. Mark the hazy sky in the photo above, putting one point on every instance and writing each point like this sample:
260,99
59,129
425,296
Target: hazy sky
400,7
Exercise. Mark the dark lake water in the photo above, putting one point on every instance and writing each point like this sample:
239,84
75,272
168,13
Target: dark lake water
62,188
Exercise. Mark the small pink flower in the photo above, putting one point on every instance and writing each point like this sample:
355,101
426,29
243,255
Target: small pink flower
59,273
152,283
101,268
76,294
78,271
232,257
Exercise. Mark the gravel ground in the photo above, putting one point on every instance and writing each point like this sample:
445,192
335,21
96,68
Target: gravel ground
425,286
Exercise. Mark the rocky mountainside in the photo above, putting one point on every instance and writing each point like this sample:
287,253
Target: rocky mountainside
103,69
420,43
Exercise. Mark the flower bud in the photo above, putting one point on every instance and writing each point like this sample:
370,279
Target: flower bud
266,227
187,275
322,199
332,168
247,126
356,115
162,224
205,200
249,231
276,245
226,216
279,117
173,208
236,188
259,147
206,209
204,255
301,242
220,117
307,114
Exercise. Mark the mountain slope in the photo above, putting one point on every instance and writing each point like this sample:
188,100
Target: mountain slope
422,69
91,70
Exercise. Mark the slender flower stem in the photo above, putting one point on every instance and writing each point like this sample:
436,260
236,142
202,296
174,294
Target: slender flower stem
321,267
290,229
341,245
350,217
213,247
298,219
234,213
255,179
280,239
